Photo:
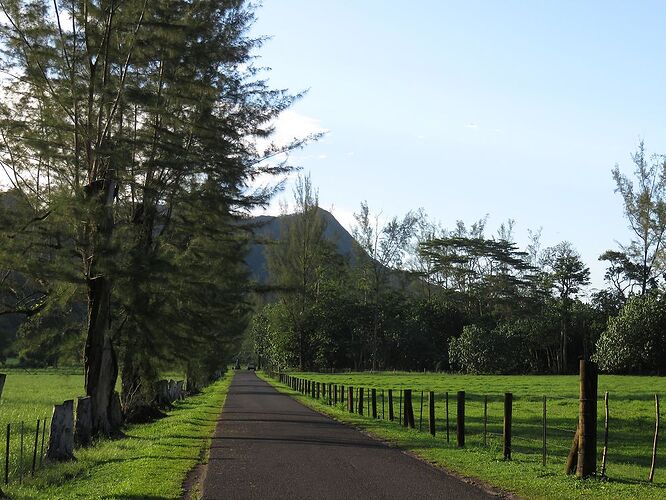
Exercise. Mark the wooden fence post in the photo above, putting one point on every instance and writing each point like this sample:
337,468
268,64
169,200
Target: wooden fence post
34,451
374,403
3,379
400,408
545,429
61,439
460,420
446,395
360,401
656,438
431,414
421,413
390,404
408,419
342,394
7,454
83,424
506,434
383,416
604,453
587,420
485,420
350,399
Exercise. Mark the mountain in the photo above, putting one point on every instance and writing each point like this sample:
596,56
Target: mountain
267,228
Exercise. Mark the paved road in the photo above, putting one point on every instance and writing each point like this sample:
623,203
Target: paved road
267,445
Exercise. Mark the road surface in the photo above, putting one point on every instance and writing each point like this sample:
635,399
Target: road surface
267,445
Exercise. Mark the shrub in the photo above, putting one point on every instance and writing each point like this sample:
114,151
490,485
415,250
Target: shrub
635,340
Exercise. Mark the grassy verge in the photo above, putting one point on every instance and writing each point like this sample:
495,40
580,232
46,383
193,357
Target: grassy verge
632,421
151,461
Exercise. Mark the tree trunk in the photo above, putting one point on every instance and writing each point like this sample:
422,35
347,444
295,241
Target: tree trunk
101,365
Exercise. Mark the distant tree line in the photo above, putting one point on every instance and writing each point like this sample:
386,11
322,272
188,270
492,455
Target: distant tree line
416,296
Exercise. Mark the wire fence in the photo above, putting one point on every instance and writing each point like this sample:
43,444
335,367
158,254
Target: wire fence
542,427
24,448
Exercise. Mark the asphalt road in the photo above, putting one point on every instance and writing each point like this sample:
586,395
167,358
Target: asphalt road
267,445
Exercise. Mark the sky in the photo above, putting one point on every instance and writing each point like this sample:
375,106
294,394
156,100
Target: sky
514,109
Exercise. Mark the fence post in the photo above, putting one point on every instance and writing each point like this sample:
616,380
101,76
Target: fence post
485,420
350,399
342,394
34,452
400,416
360,400
460,420
335,394
21,454
374,403
545,428
656,438
390,404
446,395
605,450
508,414
7,454
431,415
421,414
408,418
383,415
41,452
587,420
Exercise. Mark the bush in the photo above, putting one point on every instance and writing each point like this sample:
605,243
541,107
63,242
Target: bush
635,340
498,351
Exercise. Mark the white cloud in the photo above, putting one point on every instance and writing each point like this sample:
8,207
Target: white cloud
471,125
290,126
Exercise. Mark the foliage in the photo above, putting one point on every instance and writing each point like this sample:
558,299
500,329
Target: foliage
635,340
644,200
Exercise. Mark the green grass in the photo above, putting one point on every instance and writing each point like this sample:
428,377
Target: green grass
630,442
151,461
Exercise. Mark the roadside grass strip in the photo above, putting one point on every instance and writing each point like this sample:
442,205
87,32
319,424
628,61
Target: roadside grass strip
150,461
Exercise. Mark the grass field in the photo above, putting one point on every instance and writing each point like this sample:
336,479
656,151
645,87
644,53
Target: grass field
632,420
150,462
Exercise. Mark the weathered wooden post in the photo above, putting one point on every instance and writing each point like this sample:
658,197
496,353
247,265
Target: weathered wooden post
350,399
408,418
3,379
83,424
587,420
383,416
460,420
360,400
421,413
374,403
506,434
318,391
367,400
342,394
431,414
61,439
390,404
335,394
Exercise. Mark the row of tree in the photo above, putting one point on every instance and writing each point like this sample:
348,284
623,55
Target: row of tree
128,133
412,295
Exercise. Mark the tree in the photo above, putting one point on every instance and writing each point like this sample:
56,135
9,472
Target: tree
645,209
299,262
567,275
381,252
634,341
116,111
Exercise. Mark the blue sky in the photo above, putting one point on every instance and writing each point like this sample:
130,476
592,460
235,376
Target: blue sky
514,109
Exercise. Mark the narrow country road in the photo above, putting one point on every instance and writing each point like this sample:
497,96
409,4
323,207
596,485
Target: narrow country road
267,445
